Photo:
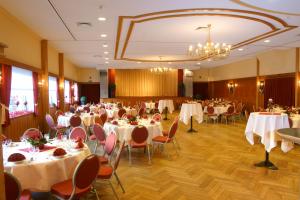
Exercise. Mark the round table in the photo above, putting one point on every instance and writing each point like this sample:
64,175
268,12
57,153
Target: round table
190,110
166,106
45,170
87,119
123,129
218,110
265,125
150,105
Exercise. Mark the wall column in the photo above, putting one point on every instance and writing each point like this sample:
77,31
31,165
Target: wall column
297,78
61,81
180,90
111,83
257,82
44,87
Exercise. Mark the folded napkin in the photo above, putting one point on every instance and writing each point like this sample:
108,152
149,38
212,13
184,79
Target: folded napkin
152,122
15,157
78,139
269,113
59,152
134,123
115,122
79,145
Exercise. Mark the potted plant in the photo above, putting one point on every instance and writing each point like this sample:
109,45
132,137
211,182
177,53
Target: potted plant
83,100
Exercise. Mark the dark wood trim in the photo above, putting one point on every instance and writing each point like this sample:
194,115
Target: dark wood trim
53,75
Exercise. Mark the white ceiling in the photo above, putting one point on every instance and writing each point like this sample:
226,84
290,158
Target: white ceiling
168,37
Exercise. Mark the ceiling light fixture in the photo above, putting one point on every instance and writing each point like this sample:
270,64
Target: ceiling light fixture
139,62
103,35
105,52
106,62
105,45
101,18
160,68
241,49
169,63
198,63
210,49
106,58
267,41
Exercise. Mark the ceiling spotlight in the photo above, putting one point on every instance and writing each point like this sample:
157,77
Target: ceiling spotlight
106,62
103,35
106,58
101,18
139,62
105,52
169,63
267,41
105,45
198,63
240,49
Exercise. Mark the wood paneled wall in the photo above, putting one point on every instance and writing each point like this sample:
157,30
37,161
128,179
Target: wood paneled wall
200,89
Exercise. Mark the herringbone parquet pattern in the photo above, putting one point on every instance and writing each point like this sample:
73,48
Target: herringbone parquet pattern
214,163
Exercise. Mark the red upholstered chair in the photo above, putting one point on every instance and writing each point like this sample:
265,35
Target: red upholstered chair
229,114
239,111
121,112
211,114
163,140
106,172
78,132
54,128
110,144
87,109
141,111
75,121
58,113
13,189
98,136
98,120
103,117
32,132
81,183
157,117
139,138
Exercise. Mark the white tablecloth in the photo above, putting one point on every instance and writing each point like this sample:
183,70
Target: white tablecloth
296,121
45,170
150,105
113,113
166,103
218,109
191,109
123,129
87,119
265,126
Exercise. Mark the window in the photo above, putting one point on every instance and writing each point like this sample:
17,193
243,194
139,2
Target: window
21,96
75,92
52,90
67,91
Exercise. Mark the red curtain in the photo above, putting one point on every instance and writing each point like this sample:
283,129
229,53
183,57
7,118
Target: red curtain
5,90
35,91
281,90
71,92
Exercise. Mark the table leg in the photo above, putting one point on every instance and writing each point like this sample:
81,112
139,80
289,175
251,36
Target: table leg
266,163
166,113
191,130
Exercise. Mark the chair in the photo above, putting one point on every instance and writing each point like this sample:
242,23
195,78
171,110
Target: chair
211,114
87,109
75,121
163,140
139,138
54,127
107,171
103,117
121,112
32,132
157,117
238,111
98,136
98,120
78,132
110,144
13,189
229,114
141,112
81,183
58,113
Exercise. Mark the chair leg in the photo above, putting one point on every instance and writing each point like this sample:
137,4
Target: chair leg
113,189
129,154
119,182
96,146
175,148
96,193
149,156
177,144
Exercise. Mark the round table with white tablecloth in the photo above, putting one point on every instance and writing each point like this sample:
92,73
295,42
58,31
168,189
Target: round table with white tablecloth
265,125
296,120
166,106
113,112
150,105
87,119
45,170
190,110
218,110
123,129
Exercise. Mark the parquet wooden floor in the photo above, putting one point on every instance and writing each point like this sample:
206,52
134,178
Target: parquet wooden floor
214,163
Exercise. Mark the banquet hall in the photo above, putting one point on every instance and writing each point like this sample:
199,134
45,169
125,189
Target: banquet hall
137,99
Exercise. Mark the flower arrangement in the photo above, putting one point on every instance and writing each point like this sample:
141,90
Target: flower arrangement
37,141
131,118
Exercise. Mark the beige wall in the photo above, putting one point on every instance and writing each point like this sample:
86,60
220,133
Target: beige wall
84,75
201,75
53,65
23,45
70,70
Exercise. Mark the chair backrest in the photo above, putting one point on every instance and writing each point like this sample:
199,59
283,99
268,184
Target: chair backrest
173,128
87,109
156,105
117,159
143,105
157,117
99,132
110,143
72,109
85,173
121,112
139,134
98,120
50,121
210,110
12,187
75,121
32,132
103,117
78,132
141,111
58,113
136,107
230,110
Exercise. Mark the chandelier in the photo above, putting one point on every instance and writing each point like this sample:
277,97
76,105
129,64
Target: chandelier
210,50
160,69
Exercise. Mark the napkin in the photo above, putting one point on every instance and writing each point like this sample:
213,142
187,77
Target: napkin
78,139
134,123
79,145
59,152
152,122
115,122
16,157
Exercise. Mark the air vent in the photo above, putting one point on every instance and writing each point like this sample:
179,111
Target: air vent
84,24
